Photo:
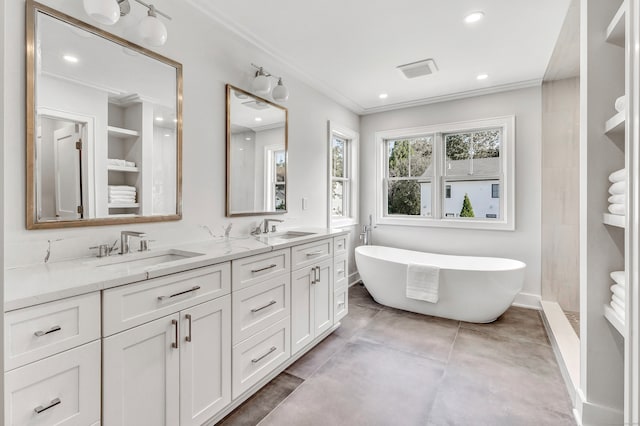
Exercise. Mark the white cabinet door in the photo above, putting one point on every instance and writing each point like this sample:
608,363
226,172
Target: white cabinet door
323,298
302,308
205,360
141,375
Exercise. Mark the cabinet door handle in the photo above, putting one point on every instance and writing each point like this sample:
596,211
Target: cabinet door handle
188,317
39,409
53,329
255,360
340,271
176,343
194,288
313,272
273,265
314,253
318,269
254,310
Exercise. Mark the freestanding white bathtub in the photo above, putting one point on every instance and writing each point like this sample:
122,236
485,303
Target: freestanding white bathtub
473,289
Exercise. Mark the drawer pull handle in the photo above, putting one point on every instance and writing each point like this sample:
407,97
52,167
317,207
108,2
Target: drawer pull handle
188,317
53,329
314,253
260,358
176,343
179,293
340,271
39,409
273,265
340,304
254,310
318,269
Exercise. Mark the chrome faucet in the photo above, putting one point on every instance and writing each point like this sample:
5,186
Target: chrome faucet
125,240
365,235
265,230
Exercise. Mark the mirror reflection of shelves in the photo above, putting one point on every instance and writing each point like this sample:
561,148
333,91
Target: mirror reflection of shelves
124,156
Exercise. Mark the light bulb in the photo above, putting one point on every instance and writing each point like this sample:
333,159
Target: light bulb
261,84
280,92
106,12
152,30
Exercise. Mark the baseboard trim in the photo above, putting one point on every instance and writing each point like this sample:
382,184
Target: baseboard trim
527,300
354,278
589,414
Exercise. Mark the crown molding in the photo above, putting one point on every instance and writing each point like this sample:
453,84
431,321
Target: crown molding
454,96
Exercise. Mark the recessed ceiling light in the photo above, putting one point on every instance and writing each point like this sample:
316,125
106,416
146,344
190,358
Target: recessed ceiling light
167,134
383,96
258,119
159,119
247,139
69,58
482,76
473,17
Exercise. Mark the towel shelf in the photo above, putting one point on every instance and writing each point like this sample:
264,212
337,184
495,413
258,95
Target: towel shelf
124,206
614,319
121,133
614,220
616,28
123,169
615,126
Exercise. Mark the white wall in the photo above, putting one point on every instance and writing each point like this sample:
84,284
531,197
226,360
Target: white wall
211,56
523,243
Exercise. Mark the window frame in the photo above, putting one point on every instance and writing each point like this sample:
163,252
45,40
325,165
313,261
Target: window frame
438,219
350,179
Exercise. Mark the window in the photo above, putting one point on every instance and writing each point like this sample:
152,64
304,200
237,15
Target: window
280,181
343,196
454,175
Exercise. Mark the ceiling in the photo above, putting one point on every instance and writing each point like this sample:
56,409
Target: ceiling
349,50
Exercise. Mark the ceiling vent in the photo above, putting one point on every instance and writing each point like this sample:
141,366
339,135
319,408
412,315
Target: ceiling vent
419,68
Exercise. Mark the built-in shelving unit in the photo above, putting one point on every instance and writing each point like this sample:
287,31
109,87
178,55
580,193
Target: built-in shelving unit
123,169
124,206
614,319
614,220
121,133
615,126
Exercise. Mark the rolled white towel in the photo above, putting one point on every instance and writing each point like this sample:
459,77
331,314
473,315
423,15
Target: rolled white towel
129,163
120,192
617,209
619,311
615,304
618,199
618,176
618,188
621,103
115,162
617,300
122,197
618,277
618,290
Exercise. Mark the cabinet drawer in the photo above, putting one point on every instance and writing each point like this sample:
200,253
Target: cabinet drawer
255,269
134,304
340,244
64,388
340,304
257,307
341,270
311,253
259,355
39,331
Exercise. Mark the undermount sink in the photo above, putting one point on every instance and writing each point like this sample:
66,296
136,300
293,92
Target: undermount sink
151,258
291,234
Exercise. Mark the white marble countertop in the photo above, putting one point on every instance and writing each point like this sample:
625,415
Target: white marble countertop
37,284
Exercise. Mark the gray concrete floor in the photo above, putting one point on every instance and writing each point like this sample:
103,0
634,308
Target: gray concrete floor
384,366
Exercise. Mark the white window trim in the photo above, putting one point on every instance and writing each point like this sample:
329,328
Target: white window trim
507,156
353,198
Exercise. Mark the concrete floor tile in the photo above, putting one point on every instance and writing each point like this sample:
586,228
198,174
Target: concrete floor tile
317,357
366,385
358,295
358,318
418,334
516,323
262,402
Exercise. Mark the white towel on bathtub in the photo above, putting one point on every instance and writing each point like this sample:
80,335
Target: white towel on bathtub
423,282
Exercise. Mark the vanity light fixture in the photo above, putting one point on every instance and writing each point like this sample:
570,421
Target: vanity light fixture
108,12
261,84
474,17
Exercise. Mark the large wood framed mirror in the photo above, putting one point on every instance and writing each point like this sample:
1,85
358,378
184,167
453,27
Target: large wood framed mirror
256,155
104,127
